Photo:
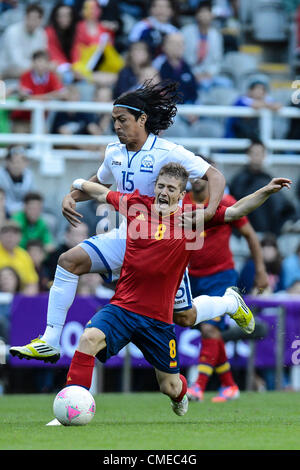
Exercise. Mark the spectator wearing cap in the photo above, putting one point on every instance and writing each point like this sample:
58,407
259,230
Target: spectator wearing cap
16,179
11,254
33,226
257,98
20,41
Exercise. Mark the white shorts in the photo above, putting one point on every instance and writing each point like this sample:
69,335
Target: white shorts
107,252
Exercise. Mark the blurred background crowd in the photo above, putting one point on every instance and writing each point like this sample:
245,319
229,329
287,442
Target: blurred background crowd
223,52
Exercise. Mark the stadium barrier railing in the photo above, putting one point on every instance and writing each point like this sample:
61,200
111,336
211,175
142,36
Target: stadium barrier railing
42,144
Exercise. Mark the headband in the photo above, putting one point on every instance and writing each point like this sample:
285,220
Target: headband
129,107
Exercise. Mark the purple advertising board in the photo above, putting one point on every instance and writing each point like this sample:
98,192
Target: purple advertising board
28,320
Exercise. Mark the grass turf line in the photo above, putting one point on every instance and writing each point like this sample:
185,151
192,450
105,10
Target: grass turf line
145,421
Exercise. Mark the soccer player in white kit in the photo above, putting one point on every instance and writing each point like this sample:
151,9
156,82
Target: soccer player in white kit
132,163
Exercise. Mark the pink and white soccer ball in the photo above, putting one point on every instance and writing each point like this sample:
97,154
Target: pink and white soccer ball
74,406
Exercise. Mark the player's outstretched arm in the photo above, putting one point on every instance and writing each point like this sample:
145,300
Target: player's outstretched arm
249,203
95,191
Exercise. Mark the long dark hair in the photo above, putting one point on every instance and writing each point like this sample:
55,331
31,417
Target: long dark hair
158,101
65,36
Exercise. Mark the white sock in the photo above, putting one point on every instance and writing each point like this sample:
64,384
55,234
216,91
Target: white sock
61,297
211,307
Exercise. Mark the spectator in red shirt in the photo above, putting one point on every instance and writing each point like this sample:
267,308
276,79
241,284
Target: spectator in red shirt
38,83
211,271
61,38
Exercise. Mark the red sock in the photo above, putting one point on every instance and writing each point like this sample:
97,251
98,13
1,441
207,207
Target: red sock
208,358
81,370
183,390
223,368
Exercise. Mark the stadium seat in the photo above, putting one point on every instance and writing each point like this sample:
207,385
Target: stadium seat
269,21
239,65
221,96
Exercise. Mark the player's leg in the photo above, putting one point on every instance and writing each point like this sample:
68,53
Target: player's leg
206,307
157,341
190,310
80,372
212,356
102,254
105,335
175,387
71,265
229,389
208,358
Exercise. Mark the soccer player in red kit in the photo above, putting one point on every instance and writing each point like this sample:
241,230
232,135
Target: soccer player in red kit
157,253
211,271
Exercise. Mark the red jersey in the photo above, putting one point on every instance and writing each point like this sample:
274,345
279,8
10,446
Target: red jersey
31,83
157,253
215,256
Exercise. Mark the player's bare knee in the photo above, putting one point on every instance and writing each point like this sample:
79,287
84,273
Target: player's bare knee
90,341
75,262
67,262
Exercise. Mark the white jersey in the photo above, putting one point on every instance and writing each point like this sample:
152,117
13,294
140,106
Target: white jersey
139,170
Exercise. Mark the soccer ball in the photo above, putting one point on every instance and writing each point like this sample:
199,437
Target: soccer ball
74,406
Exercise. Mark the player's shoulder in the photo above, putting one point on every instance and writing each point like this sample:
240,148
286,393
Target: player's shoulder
173,148
114,145
164,144
113,148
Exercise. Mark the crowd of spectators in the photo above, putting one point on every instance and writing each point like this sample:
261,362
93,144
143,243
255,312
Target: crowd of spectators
106,47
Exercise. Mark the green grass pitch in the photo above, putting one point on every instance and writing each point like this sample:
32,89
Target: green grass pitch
145,421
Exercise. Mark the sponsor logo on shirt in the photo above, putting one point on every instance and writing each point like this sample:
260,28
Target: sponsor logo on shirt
147,164
116,163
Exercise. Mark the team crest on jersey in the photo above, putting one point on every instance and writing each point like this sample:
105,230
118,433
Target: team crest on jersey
147,164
